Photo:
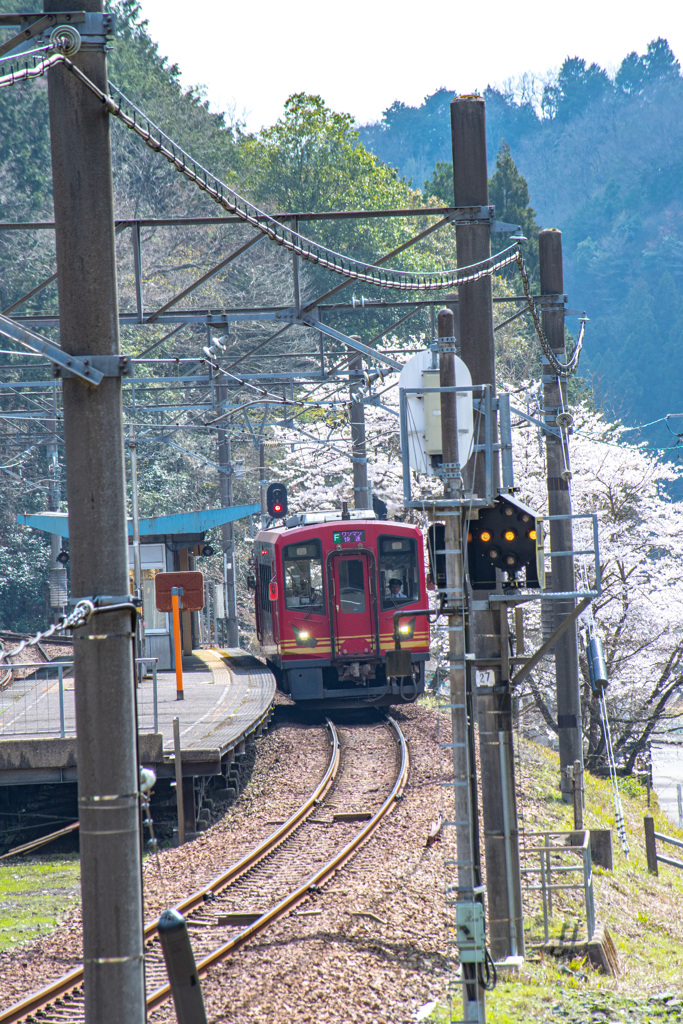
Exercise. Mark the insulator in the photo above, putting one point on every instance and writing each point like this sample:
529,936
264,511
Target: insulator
66,39
597,668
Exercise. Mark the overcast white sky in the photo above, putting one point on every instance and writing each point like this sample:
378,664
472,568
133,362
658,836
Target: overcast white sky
360,57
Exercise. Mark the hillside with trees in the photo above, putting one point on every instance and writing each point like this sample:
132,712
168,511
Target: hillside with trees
553,161
603,160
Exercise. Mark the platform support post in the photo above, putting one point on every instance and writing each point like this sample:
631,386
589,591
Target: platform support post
176,594
180,804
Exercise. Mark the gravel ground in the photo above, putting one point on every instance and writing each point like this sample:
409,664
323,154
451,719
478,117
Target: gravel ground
369,948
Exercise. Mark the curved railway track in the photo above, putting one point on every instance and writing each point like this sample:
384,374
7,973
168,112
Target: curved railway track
281,872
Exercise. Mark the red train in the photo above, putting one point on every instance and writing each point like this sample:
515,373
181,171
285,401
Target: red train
327,589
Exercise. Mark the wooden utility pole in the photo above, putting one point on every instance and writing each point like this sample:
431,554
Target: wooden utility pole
108,774
361,490
227,530
559,504
494,708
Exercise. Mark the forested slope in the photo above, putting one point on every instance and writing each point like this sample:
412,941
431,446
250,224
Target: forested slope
603,159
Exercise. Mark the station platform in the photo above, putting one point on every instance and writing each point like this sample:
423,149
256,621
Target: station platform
228,696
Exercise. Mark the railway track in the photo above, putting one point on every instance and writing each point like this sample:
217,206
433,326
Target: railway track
290,866
15,638
9,640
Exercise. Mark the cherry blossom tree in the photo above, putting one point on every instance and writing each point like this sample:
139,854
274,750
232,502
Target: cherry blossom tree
639,613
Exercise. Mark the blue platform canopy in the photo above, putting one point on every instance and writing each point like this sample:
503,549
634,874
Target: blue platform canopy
155,526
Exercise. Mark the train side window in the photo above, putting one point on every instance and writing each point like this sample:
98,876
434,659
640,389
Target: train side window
303,576
399,579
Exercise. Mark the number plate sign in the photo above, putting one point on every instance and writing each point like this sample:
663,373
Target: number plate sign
192,597
485,677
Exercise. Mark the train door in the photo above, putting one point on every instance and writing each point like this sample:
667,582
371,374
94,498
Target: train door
353,608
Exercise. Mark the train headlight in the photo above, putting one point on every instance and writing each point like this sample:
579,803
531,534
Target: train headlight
406,629
303,637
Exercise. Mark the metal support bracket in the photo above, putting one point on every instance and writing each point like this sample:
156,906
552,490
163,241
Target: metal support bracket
538,423
474,215
73,365
544,648
448,343
311,320
450,471
93,28
486,215
96,367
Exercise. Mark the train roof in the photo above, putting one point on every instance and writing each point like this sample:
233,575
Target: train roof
331,516
294,525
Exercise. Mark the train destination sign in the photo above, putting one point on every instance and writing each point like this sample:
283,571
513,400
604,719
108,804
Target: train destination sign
348,536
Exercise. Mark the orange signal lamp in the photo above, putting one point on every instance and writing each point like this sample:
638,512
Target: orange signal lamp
509,535
485,536
532,535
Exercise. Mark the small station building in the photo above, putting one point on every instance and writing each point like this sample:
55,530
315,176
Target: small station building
167,544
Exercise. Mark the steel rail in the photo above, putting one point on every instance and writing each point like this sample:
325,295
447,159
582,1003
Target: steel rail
70,985
155,999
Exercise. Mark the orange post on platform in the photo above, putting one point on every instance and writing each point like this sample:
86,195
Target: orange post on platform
176,594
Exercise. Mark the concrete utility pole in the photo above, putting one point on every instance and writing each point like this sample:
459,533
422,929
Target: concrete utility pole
361,490
227,530
464,789
263,484
494,709
559,503
108,778
137,552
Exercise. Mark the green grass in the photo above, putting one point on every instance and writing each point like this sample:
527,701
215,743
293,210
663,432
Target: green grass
35,895
643,913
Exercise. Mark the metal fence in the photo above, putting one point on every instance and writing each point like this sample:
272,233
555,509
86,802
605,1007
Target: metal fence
556,867
654,858
40,700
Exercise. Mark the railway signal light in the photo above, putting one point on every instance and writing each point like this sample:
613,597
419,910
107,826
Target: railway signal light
276,501
509,537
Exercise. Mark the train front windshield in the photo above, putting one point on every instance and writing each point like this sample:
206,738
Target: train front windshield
303,576
399,579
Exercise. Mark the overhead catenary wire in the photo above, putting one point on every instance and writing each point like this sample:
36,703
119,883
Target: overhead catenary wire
278,232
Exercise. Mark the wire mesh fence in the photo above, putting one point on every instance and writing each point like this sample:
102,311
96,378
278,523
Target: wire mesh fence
38,700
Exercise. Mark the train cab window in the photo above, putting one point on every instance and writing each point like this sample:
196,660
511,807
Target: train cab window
351,585
303,576
399,580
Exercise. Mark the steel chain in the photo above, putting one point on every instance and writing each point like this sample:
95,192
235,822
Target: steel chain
83,611
563,370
